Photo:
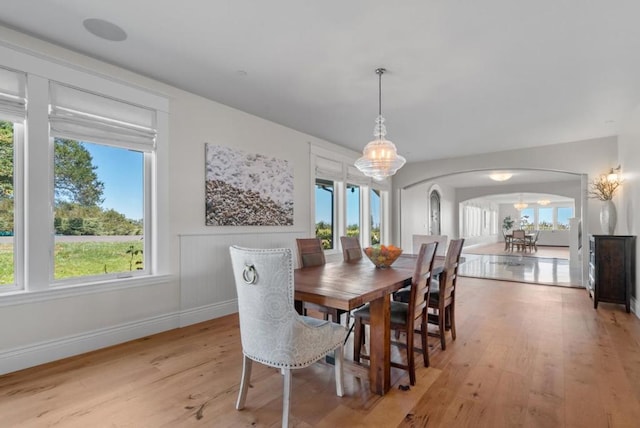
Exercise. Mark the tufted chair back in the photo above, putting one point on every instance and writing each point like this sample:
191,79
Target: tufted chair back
271,331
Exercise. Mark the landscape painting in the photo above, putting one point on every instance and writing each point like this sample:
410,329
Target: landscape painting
247,189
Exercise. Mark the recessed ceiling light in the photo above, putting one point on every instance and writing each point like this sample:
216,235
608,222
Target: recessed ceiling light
500,176
104,29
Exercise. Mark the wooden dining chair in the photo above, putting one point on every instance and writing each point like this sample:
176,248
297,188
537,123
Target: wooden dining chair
408,317
351,249
310,253
507,239
533,242
442,299
518,240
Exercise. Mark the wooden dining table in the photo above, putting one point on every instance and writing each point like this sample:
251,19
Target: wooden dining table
348,285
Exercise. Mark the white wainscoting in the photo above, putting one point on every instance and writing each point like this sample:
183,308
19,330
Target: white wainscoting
207,289
43,352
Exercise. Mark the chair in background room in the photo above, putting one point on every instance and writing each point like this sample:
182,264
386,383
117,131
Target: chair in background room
532,243
271,331
507,239
443,294
518,240
351,249
310,253
408,317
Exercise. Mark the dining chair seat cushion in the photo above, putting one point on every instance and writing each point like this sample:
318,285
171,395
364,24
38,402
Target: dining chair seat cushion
402,295
398,312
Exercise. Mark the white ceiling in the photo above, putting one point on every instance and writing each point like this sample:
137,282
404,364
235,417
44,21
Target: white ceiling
463,76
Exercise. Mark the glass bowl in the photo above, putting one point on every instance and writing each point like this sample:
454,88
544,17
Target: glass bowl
383,256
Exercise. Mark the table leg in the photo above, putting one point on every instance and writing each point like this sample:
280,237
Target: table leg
379,343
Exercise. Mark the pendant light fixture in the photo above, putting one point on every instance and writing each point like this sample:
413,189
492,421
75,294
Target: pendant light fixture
520,205
380,159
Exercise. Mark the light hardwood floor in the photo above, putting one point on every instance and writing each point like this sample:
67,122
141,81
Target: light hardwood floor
526,355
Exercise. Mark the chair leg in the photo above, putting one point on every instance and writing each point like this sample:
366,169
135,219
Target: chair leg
339,357
286,393
425,345
441,328
244,383
452,320
358,339
411,362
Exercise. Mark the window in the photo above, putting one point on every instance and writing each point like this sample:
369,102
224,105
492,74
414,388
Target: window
12,116
564,214
7,210
346,203
527,219
325,212
376,205
81,178
477,218
545,218
99,205
353,210
100,145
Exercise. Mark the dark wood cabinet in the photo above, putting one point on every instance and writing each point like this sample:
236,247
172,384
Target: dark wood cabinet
612,268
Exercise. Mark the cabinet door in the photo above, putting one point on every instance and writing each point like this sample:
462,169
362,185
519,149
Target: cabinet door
611,279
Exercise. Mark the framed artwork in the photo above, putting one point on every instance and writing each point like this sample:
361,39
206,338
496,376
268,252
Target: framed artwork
246,189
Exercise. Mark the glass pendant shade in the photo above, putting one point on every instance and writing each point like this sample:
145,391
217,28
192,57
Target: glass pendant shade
380,158
520,205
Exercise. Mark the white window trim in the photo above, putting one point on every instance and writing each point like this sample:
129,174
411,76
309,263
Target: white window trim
35,260
347,175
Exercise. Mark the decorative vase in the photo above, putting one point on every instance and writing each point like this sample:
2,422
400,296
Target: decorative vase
608,217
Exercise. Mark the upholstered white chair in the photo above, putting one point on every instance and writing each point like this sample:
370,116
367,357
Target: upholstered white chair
271,331
442,240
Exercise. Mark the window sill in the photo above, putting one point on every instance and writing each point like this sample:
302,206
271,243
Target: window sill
61,292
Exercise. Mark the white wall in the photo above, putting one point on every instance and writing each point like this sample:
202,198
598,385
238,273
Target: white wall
628,200
48,326
414,212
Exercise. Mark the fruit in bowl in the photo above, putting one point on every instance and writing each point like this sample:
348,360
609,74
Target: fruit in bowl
383,256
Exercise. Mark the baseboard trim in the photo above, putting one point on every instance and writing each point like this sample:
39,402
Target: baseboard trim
51,350
207,312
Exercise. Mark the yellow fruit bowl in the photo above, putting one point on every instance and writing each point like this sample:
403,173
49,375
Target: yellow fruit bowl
383,256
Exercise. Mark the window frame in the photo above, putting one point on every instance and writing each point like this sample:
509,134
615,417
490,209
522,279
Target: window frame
18,214
535,222
34,228
331,166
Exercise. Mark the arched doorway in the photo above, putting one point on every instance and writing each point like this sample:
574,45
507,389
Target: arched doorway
434,213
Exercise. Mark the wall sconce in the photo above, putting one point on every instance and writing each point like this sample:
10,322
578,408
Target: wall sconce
614,174
544,202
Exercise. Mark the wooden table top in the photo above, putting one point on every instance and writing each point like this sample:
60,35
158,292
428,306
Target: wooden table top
347,285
